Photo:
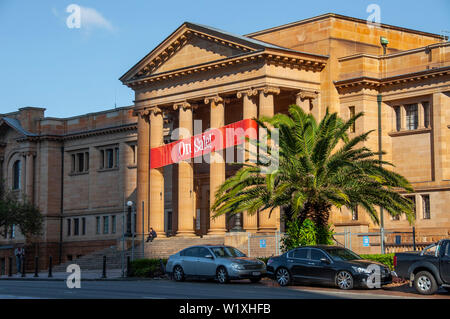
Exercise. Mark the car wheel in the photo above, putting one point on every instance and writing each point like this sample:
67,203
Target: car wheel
255,280
425,283
344,280
222,275
178,273
283,277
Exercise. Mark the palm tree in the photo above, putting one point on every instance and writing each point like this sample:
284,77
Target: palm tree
319,167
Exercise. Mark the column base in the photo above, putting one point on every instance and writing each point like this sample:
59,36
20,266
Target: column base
217,232
269,230
185,233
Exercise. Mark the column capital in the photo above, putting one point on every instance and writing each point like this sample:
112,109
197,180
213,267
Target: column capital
248,92
185,106
28,153
307,95
145,113
270,90
216,99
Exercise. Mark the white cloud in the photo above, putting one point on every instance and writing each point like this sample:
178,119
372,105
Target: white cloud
91,18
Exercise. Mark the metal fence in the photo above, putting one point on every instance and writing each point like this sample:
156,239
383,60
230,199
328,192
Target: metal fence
259,245
393,241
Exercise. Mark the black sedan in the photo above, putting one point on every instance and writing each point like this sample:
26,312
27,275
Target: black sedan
328,265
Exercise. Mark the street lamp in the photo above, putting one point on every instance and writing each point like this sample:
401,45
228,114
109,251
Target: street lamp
133,221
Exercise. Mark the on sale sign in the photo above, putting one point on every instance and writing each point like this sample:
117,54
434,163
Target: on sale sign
201,144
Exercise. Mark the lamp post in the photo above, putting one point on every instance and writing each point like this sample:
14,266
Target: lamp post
123,241
133,221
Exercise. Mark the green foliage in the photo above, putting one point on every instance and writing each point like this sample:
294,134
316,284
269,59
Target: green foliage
146,268
304,234
387,259
22,213
319,166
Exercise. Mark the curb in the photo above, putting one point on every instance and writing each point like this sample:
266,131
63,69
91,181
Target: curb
85,279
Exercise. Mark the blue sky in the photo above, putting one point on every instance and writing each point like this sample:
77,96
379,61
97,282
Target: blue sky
44,63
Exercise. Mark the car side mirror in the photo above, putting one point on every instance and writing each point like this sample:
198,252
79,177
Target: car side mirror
209,257
325,260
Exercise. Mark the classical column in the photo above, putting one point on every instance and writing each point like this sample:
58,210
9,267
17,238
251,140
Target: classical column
250,110
186,195
217,225
29,172
440,104
156,174
268,224
143,161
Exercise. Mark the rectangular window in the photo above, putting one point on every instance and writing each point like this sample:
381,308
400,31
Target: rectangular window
113,224
355,213
412,116
413,199
102,159
13,231
79,162
72,169
80,157
426,114
86,156
398,118
105,224
97,225
116,164
76,226
426,207
69,227
134,149
109,158
83,226
352,114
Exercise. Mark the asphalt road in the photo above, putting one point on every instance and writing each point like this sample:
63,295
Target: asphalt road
165,289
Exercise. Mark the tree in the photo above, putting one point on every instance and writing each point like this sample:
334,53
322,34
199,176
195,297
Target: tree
21,213
319,167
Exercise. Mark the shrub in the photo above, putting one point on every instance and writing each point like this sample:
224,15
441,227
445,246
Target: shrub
305,234
387,259
147,268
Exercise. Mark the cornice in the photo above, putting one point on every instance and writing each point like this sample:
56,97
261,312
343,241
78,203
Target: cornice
372,82
272,56
79,135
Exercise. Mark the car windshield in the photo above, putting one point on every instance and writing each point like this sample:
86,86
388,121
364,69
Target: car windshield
342,254
227,252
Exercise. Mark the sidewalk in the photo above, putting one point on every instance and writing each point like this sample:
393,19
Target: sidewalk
111,274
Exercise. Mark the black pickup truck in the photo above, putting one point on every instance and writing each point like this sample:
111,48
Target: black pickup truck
427,270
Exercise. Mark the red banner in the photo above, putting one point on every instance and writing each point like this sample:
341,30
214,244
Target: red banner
207,142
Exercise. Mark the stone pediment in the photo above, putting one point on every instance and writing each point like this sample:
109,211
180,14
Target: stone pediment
191,45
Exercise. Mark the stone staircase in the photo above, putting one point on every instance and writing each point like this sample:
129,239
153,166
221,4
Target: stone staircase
94,261
159,248
164,247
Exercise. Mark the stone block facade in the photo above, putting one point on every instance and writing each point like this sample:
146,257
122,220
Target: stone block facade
82,171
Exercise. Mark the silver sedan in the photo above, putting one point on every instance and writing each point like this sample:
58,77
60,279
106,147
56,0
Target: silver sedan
223,263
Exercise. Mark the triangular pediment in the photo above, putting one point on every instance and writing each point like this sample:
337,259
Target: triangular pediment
190,45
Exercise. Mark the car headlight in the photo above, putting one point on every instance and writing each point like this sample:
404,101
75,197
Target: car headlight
361,270
237,266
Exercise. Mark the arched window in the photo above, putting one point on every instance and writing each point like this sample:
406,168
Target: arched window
16,175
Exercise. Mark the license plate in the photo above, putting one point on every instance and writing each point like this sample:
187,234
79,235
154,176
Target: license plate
256,273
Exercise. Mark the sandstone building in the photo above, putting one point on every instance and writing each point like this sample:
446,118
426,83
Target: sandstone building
81,171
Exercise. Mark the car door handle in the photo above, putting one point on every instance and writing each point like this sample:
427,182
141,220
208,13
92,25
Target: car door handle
311,263
290,261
